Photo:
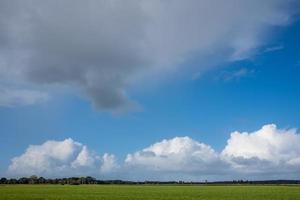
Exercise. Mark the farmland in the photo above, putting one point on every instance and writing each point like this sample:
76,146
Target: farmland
132,192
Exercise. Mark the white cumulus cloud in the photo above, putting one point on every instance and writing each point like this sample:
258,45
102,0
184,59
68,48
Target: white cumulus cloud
84,158
174,159
60,159
109,164
177,154
267,150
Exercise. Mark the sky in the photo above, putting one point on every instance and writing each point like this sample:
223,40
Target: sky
150,90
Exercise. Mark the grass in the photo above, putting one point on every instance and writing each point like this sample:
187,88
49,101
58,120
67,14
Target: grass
144,192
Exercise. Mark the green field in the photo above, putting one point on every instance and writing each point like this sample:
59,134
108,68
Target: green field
115,192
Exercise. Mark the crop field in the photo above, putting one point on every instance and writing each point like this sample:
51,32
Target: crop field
119,192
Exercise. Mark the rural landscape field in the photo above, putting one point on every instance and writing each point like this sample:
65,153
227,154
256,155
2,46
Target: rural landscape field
148,192
149,99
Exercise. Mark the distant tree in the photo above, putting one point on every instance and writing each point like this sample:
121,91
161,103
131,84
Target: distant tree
23,180
33,179
74,181
90,180
41,180
83,180
3,180
12,181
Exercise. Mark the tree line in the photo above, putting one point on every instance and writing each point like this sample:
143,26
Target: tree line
41,180
91,180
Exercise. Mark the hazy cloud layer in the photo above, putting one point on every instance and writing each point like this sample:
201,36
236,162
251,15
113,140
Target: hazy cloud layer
234,75
21,97
264,154
104,47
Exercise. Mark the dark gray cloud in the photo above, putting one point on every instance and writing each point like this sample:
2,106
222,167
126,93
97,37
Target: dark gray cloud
103,47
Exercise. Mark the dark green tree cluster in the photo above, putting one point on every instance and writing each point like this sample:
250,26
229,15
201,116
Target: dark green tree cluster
41,180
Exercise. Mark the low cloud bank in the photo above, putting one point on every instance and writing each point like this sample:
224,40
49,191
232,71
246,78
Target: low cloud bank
268,153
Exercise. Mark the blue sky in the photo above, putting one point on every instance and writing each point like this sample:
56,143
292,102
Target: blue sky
206,103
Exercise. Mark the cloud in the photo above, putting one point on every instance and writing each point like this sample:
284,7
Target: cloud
268,153
109,164
21,97
105,47
59,159
235,75
84,158
273,48
266,150
178,154
174,159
